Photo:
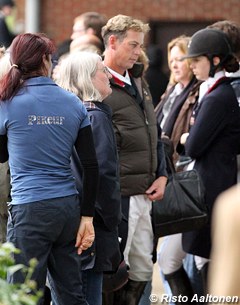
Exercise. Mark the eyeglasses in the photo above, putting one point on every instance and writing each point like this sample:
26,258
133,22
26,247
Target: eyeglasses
104,69
2,49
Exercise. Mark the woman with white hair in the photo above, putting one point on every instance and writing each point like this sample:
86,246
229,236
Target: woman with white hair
84,74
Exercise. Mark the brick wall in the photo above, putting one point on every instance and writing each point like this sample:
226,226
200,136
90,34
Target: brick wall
57,15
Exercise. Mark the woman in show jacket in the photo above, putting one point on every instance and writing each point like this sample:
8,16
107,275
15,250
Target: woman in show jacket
214,138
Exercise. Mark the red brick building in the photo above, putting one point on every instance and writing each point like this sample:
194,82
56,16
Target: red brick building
57,15
167,18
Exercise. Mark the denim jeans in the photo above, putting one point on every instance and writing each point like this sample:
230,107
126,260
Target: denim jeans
92,286
145,298
47,231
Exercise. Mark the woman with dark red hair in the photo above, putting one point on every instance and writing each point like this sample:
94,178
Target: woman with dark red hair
39,125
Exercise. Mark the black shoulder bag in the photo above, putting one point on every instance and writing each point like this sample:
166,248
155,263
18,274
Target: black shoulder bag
183,206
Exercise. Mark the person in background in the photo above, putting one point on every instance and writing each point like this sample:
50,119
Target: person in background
213,141
142,161
86,42
85,26
37,135
6,37
84,74
89,23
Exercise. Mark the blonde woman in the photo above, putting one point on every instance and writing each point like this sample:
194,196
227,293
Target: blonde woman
175,108
173,114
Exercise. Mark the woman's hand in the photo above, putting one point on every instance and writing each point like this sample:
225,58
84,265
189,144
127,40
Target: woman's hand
85,235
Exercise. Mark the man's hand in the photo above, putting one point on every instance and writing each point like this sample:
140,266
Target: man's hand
157,189
85,235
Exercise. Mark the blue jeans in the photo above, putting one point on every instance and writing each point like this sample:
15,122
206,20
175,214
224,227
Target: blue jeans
145,298
47,230
193,274
92,286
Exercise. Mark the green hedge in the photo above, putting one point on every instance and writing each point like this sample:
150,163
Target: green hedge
16,294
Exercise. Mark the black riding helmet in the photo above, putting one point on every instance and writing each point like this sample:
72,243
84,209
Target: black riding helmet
210,43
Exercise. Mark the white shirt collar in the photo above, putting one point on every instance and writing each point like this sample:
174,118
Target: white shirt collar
203,89
212,80
125,79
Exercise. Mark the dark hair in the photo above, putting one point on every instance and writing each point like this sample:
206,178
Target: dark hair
232,30
231,64
26,56
6,3
93,20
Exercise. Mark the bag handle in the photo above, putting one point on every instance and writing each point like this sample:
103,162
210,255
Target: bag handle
170,165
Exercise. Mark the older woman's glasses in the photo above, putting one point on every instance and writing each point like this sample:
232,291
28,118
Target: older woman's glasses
104,69
2,50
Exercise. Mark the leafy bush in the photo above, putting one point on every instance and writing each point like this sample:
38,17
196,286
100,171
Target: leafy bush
16,294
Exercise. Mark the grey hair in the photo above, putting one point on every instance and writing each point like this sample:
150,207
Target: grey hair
5,64
76,72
